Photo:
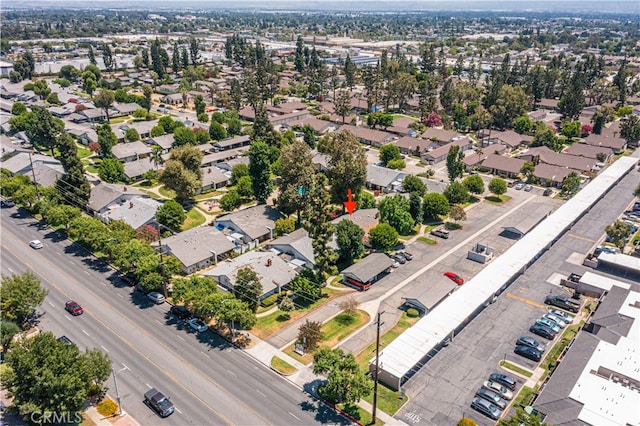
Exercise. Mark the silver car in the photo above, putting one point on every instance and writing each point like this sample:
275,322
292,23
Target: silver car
156,297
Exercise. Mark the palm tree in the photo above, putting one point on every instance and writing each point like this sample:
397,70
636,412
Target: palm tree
156,157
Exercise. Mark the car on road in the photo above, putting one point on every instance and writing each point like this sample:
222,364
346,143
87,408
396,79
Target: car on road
440,232
542,331
36,244
492,397
547,192
504,379
531,342
499,389
160,403
485,407
519,186
528,352
156,297
562,303
454,277
528,188
198,325
73,308
559,321
562,314
180,311
548,323
406,255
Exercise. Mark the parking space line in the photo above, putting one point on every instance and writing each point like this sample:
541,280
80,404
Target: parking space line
525,300
177,409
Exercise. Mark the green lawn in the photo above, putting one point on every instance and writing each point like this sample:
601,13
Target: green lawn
427,240
549,362
515,368
168,193
194,218
91,169
359,413
524,396
83,152
494,199
282,366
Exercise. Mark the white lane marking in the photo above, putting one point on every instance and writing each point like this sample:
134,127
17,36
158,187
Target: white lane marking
261,393
103,284
232,373
158,322
58,253
120,295
52,305
177,409
205,354
294,416
72,262
125,366
181,338
68,319
10,270
105,349
87,272
148,385
85,332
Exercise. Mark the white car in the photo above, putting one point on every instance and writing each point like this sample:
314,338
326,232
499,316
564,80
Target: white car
36,244
156,297
198,325
519,186
561,323
562,314
499,389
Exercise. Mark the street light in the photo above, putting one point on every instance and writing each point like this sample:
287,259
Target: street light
115,380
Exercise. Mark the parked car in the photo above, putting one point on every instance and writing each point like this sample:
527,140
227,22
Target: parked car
548,323
559,321
198,325
543,331
519,186
528,188
528,352
454,277
492,397
485,407
399,259
504,379
562,314
156,297
65,340
5,202
36,244
180,311
406,255
499,389
73,308
562,302
440,232
547,192
160,403
531,342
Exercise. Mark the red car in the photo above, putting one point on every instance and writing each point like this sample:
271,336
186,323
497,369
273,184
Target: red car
73,308
454,277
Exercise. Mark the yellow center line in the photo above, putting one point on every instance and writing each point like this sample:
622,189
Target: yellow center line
525,300
589,240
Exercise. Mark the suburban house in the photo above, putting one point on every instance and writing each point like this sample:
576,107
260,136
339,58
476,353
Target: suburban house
368,136
502,166
286,119
213,159
320,161
590,151
136,213
319,126
366,272
22,162
440,135
440,153
46,175
512,140
253,224
134,170
475,159
384,179
198,247
548,156
551,175
616,144
213,178
94,114
296,244
165,142
365,219
105,195
232,143
273,272
126,109
130,151
413,146
142,127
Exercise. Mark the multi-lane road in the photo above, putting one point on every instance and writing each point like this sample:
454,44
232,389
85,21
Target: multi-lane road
209,381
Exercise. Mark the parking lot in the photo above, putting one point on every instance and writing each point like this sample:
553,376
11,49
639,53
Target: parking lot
442,390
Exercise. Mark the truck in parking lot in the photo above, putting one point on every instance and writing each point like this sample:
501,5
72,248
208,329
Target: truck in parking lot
160,403
562,302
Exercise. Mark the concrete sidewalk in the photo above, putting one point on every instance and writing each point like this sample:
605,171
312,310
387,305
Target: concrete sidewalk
100,420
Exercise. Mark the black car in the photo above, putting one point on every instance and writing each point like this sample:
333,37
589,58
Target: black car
528,352
180,311
406,255
543,331
65,340
492,397
531,342
485,407
547,192
504,379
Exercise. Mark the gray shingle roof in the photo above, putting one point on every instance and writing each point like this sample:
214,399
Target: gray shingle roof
372,265
255,221
197,244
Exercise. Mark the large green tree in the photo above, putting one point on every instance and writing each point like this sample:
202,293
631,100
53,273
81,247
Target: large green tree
73,186
346,382
498,186
618,233
20,295
318,224
107,139
347,168
305,285
349,239
296,172
104,100
455,166
435,205
396,212
111,170
474,184
512,102
49,376
383,237
260,171
456,193
45,130
248,287
182,172
171,214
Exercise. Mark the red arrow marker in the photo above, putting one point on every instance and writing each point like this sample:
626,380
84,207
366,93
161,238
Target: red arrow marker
350,205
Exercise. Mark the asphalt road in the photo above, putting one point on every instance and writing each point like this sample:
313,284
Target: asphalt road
442,390
209,381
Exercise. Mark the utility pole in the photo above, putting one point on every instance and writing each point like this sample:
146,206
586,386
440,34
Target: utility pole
164,281
375,373
33,173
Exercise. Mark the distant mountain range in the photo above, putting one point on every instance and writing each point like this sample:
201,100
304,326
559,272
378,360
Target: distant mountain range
571,6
